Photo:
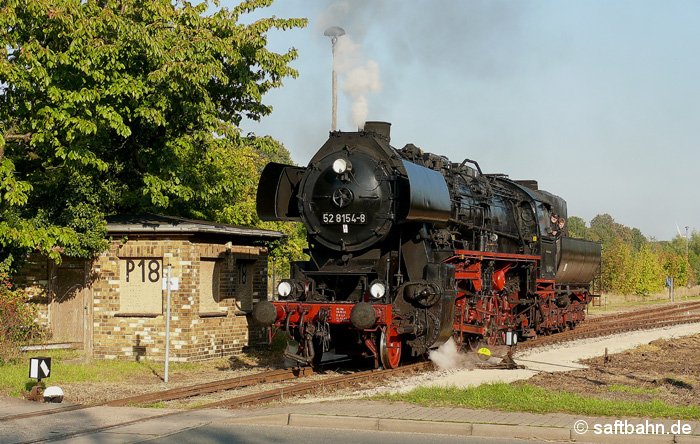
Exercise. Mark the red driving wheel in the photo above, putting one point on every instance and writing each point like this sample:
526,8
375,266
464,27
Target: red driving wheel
390,347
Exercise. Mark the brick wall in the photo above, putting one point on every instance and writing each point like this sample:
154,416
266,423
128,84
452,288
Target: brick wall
194,335
140,334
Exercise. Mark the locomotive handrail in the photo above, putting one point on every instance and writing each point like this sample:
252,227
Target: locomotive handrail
494,255
478,168
474,162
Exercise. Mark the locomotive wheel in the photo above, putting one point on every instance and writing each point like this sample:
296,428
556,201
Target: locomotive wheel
390,348
474,343
492,335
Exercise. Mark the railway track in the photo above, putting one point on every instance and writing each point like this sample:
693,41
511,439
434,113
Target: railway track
255,398
282,393
646,319
676,307
213,387
604,325
274,376
182,392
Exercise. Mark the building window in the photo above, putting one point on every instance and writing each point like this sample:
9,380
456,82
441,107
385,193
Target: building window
209,286
140,289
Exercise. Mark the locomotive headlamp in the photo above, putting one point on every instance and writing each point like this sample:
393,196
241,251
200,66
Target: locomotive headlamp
341,166
284,289
377,289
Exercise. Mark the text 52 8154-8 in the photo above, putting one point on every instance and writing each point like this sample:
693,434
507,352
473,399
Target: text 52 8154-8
343,218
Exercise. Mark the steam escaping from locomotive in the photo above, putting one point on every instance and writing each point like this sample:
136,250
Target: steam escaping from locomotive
449,357
360,77
409,251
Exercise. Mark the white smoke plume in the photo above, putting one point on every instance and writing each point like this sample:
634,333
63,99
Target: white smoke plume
447,357
464,39
358,76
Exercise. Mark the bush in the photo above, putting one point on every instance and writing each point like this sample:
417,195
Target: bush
18,324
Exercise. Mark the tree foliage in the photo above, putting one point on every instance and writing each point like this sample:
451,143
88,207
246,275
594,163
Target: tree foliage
633,264
123,106
17,324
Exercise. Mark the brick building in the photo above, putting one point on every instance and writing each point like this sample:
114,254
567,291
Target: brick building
114,307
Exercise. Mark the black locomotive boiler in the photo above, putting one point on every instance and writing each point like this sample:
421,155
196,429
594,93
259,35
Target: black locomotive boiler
408,249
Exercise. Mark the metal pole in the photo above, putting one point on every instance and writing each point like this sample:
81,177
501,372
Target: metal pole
334,32
274,260
687,262
167,324
673,293
334,123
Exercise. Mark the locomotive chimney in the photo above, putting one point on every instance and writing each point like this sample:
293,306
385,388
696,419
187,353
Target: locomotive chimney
381,130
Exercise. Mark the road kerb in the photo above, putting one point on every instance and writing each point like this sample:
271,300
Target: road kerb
521,431
413,426
333,422
274,419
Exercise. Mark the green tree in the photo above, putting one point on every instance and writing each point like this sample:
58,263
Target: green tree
694,257
577,227
603,229
648,272
618,263
128,106
672,255
17,326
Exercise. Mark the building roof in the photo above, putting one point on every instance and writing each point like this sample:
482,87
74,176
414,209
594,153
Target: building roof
157,224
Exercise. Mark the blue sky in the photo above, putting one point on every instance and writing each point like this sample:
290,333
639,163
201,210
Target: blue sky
597,100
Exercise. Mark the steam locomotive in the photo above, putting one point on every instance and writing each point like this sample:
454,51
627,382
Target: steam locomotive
408,249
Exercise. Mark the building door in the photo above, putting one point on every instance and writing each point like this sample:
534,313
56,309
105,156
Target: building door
244,285
69,304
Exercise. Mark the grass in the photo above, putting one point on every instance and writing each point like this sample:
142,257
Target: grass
529,398
613,302
156,405
622,388
69,366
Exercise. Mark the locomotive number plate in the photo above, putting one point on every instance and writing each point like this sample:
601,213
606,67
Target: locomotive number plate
344,218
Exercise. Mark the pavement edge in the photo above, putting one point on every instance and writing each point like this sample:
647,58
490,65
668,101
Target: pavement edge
508,431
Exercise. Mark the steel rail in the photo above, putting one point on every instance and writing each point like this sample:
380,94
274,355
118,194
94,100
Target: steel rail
639,313
213,387
573,335
313,386
269,395
181,392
